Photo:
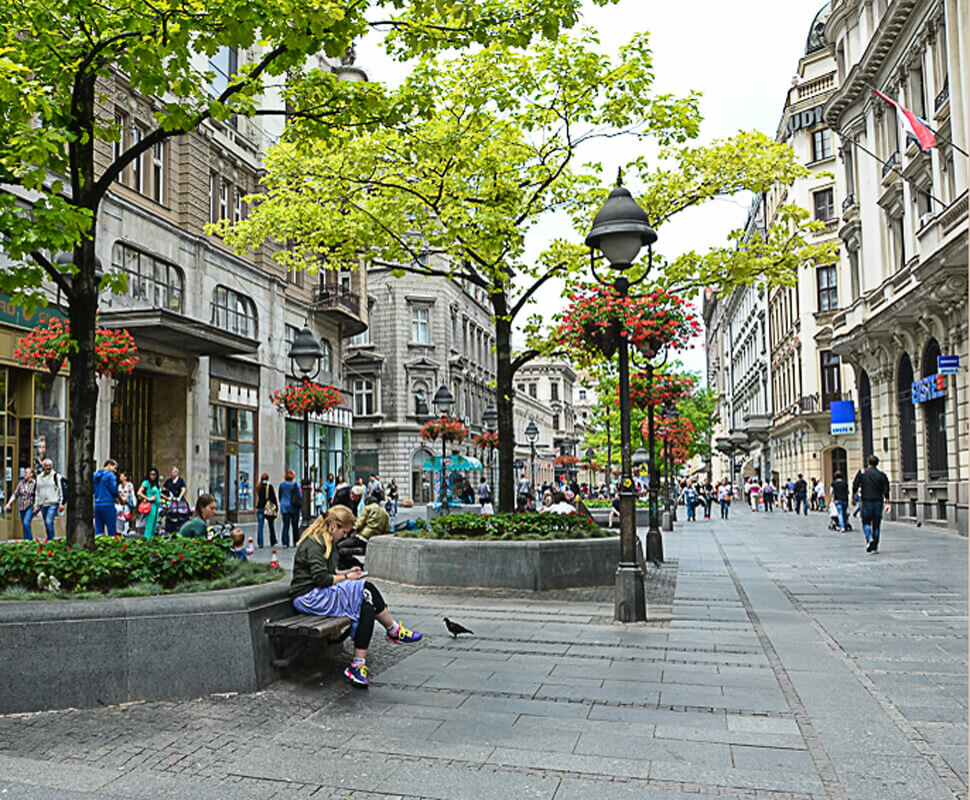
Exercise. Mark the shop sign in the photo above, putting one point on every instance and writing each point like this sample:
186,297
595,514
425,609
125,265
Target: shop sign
236,395
842,419
14,314
948,365
929,388
804,119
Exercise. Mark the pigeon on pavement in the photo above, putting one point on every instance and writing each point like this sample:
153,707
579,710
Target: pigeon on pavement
454,628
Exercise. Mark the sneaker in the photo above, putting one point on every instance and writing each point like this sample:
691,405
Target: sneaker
871,547
357,675
404,636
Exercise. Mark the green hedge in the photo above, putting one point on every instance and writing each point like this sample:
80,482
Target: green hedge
609,503
509,527
114,563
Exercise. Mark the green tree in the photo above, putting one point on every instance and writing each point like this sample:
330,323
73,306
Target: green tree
56,58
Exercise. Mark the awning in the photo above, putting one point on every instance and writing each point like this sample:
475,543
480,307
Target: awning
164,331
452,464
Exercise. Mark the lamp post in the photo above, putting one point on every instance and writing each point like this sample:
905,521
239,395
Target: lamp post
442,401
590,454
489,422
306,352
566,445
532,433
620,229
670,413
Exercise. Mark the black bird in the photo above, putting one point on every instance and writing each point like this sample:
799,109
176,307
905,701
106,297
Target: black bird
454,628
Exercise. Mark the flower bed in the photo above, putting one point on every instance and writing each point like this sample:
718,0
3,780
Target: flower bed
515,527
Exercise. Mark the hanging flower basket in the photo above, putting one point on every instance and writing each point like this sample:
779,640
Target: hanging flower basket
565,461
48,347
485,441
447,428
678,432
667,388
309,397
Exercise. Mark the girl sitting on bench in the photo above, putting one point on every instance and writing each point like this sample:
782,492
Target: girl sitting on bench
319,587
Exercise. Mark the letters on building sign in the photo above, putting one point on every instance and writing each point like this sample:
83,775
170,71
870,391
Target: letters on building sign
929,388
804,119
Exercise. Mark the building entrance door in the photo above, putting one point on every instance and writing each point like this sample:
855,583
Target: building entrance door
131,425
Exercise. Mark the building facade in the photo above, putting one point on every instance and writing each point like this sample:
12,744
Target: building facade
904,230
807,375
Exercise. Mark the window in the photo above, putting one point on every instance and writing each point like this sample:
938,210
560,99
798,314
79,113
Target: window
831,383
238,209
821,144
363,397
326,362
419,325
233,312
865,414
582,394
934,419
555,422
824,204
828,292
137,173
554,390
150,279
521,387
225,64
223,199
907,418
533,390
158,172
118,147
917,89
362,338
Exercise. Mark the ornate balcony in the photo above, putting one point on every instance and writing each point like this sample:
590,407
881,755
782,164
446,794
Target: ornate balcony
342,307
891,164
943,96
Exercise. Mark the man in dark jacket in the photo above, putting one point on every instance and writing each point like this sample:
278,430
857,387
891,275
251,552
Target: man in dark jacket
105,497
873,489
840,496
801,494
341,497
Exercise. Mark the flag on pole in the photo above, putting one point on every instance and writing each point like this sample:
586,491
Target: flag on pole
915,128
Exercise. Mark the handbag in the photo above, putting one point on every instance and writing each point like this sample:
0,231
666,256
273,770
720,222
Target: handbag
144,507
270,510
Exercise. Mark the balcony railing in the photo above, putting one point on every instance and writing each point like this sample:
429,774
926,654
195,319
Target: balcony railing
891,164
808,403
944,94
327,298
848,203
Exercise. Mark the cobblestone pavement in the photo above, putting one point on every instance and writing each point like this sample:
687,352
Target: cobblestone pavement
781,661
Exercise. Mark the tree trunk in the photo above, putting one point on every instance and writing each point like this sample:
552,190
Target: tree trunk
504,393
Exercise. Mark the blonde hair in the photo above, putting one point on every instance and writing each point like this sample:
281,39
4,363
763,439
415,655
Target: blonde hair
319,529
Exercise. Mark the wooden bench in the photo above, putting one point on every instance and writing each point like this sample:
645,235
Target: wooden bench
290,636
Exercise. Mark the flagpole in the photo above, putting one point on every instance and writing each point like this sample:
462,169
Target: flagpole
892,168
931,130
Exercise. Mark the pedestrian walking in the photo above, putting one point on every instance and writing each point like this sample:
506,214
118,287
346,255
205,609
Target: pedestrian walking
48,496
291,502
267,509
319,587
24,495
485,495
524,490
127,503
149,502
341,496
724,497
873,488
790,496
106,498
754,494
329,487
840,498
392,498
768,495
801,494
689,496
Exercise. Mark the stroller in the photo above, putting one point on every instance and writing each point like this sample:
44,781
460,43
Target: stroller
176,513
834,518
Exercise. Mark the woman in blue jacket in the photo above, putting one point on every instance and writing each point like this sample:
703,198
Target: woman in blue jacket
291,501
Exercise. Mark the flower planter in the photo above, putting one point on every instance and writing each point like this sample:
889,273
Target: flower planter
606,338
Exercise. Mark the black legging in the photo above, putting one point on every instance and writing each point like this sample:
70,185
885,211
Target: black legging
372,605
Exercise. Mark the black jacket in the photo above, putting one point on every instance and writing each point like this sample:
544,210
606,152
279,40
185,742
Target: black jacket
801,487
840,491
872,484
341,497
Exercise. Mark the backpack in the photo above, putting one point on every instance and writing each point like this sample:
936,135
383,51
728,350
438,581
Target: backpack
63,484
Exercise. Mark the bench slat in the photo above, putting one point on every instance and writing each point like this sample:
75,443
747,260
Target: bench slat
307,625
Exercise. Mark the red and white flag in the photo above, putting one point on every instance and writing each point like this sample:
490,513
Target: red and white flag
915,128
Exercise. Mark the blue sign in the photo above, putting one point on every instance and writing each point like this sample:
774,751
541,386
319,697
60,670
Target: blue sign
843,416
948,365
929,388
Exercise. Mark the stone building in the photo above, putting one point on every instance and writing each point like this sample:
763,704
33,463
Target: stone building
807,375
553,383
904,229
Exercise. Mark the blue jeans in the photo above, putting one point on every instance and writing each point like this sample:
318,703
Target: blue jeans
801,501
871,519
290,519
725,506
25,520
691,511
260,517
49,513
841,508
105,520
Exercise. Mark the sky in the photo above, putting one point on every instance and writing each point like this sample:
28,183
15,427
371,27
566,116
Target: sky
741,56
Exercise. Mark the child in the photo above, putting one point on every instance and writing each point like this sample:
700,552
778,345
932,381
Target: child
238,549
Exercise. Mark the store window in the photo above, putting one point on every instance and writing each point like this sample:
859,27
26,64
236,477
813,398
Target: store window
150,279
233,312
50,421
328,450
232,458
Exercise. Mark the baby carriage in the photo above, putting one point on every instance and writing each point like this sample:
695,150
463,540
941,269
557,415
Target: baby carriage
834,518
177,513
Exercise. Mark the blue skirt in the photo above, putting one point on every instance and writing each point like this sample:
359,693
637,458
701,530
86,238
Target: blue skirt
340,600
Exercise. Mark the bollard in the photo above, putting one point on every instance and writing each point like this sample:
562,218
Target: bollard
666,523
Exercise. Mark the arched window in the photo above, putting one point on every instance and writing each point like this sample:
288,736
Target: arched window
865,414
840,462
934,417
233,312
150,279
907,418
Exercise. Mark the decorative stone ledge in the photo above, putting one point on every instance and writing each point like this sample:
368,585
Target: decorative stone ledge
84,653
531,565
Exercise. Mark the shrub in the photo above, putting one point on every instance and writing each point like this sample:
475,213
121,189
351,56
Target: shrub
115,563
609,503
509,527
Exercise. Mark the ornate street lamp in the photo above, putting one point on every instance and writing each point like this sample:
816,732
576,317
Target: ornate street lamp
442,401
670,413
620,229
532,433
489,422
306,352
590,454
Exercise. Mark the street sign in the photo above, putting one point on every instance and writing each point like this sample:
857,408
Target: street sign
842,417
948,365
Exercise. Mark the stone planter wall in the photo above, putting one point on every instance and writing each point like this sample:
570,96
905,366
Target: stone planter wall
533,565
83,653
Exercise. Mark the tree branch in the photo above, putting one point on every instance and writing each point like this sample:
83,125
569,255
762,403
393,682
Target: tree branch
55,274
520,303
